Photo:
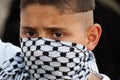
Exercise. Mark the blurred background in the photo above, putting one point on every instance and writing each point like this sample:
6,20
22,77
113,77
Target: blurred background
107,14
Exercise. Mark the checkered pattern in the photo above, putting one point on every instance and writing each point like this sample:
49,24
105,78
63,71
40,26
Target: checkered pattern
12,67
48,59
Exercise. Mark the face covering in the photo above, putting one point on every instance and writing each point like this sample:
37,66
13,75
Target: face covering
48,59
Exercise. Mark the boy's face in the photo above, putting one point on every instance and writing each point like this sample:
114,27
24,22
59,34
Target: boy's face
48,22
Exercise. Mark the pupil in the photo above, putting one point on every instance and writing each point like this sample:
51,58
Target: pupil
31,33
58,34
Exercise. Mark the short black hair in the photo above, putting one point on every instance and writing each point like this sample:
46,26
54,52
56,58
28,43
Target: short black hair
63,5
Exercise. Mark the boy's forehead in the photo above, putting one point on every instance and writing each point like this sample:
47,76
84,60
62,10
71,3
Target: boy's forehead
47,13
48,9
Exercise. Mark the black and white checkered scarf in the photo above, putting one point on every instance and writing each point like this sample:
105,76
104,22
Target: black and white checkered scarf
11,68
48,59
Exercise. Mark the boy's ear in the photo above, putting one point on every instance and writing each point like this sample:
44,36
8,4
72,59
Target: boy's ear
93,36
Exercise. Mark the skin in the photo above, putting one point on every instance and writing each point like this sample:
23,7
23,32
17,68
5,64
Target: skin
48,22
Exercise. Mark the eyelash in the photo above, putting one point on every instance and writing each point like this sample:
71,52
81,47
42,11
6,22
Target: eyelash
58,34
30,33
61,37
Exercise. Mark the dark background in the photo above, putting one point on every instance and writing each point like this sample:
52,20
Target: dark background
106,52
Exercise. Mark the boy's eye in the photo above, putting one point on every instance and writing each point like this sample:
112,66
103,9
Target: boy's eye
58,35
30,34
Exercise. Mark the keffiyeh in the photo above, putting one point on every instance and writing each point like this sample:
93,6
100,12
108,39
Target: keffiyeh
12,67
47,59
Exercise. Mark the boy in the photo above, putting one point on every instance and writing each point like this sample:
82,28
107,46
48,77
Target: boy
57,39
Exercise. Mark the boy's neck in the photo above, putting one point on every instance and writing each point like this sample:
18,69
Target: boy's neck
94,77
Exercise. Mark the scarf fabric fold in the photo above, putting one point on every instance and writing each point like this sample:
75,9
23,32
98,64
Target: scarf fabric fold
12,67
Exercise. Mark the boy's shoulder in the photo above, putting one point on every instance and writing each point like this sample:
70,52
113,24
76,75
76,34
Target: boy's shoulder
7,51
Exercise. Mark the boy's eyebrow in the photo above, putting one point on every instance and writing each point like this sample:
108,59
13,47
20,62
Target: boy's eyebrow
28,28
53,28
44,28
